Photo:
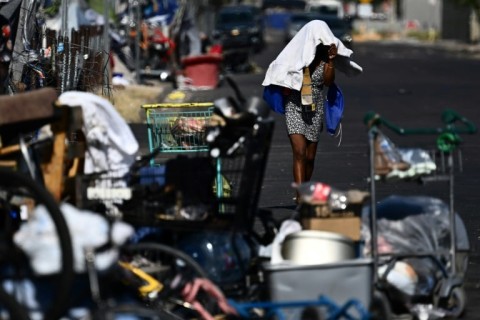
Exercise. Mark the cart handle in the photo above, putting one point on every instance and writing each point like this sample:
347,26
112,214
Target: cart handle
449,118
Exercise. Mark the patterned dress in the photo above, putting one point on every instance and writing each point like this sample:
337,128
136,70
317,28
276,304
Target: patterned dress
293,109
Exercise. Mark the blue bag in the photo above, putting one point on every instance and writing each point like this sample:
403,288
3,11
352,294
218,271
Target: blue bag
334,108
272,94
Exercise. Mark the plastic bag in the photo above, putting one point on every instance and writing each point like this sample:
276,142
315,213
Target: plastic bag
334,108
38,239
272,94
414,225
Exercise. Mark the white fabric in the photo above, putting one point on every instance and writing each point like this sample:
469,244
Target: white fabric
38,239
402,276
111,144
288,226
287,69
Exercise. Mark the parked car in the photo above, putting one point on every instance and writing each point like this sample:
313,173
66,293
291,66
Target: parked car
326,7
283,4
239,26
340,26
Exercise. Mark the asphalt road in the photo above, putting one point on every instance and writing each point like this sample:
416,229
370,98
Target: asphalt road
408,84
411,86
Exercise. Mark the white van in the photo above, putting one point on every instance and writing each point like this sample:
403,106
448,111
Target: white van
326,7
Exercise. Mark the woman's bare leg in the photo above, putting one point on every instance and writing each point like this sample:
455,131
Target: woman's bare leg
311,149
299,145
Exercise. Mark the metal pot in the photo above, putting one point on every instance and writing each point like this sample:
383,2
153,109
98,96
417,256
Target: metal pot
317,247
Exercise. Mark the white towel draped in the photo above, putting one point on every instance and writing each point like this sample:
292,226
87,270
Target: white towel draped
286,69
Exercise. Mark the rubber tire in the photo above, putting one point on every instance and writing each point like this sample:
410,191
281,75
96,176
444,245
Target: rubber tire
63,281
190,265
380,308
151,246
458,297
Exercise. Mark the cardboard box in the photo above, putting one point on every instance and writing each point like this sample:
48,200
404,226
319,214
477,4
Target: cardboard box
356,200
347,226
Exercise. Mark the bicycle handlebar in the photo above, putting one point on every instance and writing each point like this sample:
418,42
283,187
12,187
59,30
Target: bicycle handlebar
449,117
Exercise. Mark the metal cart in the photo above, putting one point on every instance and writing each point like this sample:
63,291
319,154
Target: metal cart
447,299
180,187
177,127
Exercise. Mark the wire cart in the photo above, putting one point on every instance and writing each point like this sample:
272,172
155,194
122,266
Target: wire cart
387,164
180,192
177,127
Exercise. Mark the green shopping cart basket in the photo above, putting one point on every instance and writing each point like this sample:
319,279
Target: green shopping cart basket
178,127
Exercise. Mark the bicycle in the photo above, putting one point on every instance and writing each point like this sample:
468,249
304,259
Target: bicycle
24,199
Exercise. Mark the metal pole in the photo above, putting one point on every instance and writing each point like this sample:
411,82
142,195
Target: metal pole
18,53
137,14
372,133
64,18
106,43
453,230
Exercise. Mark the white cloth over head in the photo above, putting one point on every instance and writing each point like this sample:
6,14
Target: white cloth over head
287,69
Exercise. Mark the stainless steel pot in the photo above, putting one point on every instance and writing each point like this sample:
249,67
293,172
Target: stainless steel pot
317,247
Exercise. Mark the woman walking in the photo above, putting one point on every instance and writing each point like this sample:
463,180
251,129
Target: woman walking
303,71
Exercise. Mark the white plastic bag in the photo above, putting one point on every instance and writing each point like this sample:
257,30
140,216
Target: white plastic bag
38,238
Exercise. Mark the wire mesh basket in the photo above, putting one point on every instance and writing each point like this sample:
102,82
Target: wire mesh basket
148,194
114,192
422,164
188,191
178,127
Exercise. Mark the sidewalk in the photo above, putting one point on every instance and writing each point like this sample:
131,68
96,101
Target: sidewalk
374,31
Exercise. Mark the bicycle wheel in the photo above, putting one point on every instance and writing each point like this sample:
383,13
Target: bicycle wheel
20,196
169,266
456,303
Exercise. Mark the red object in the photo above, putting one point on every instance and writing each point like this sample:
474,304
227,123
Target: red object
216,49
159,37
191,290
112,61
6,31
321,192
202,70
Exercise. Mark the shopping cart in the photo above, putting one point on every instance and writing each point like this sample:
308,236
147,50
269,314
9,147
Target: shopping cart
435,254
177,127
218,189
